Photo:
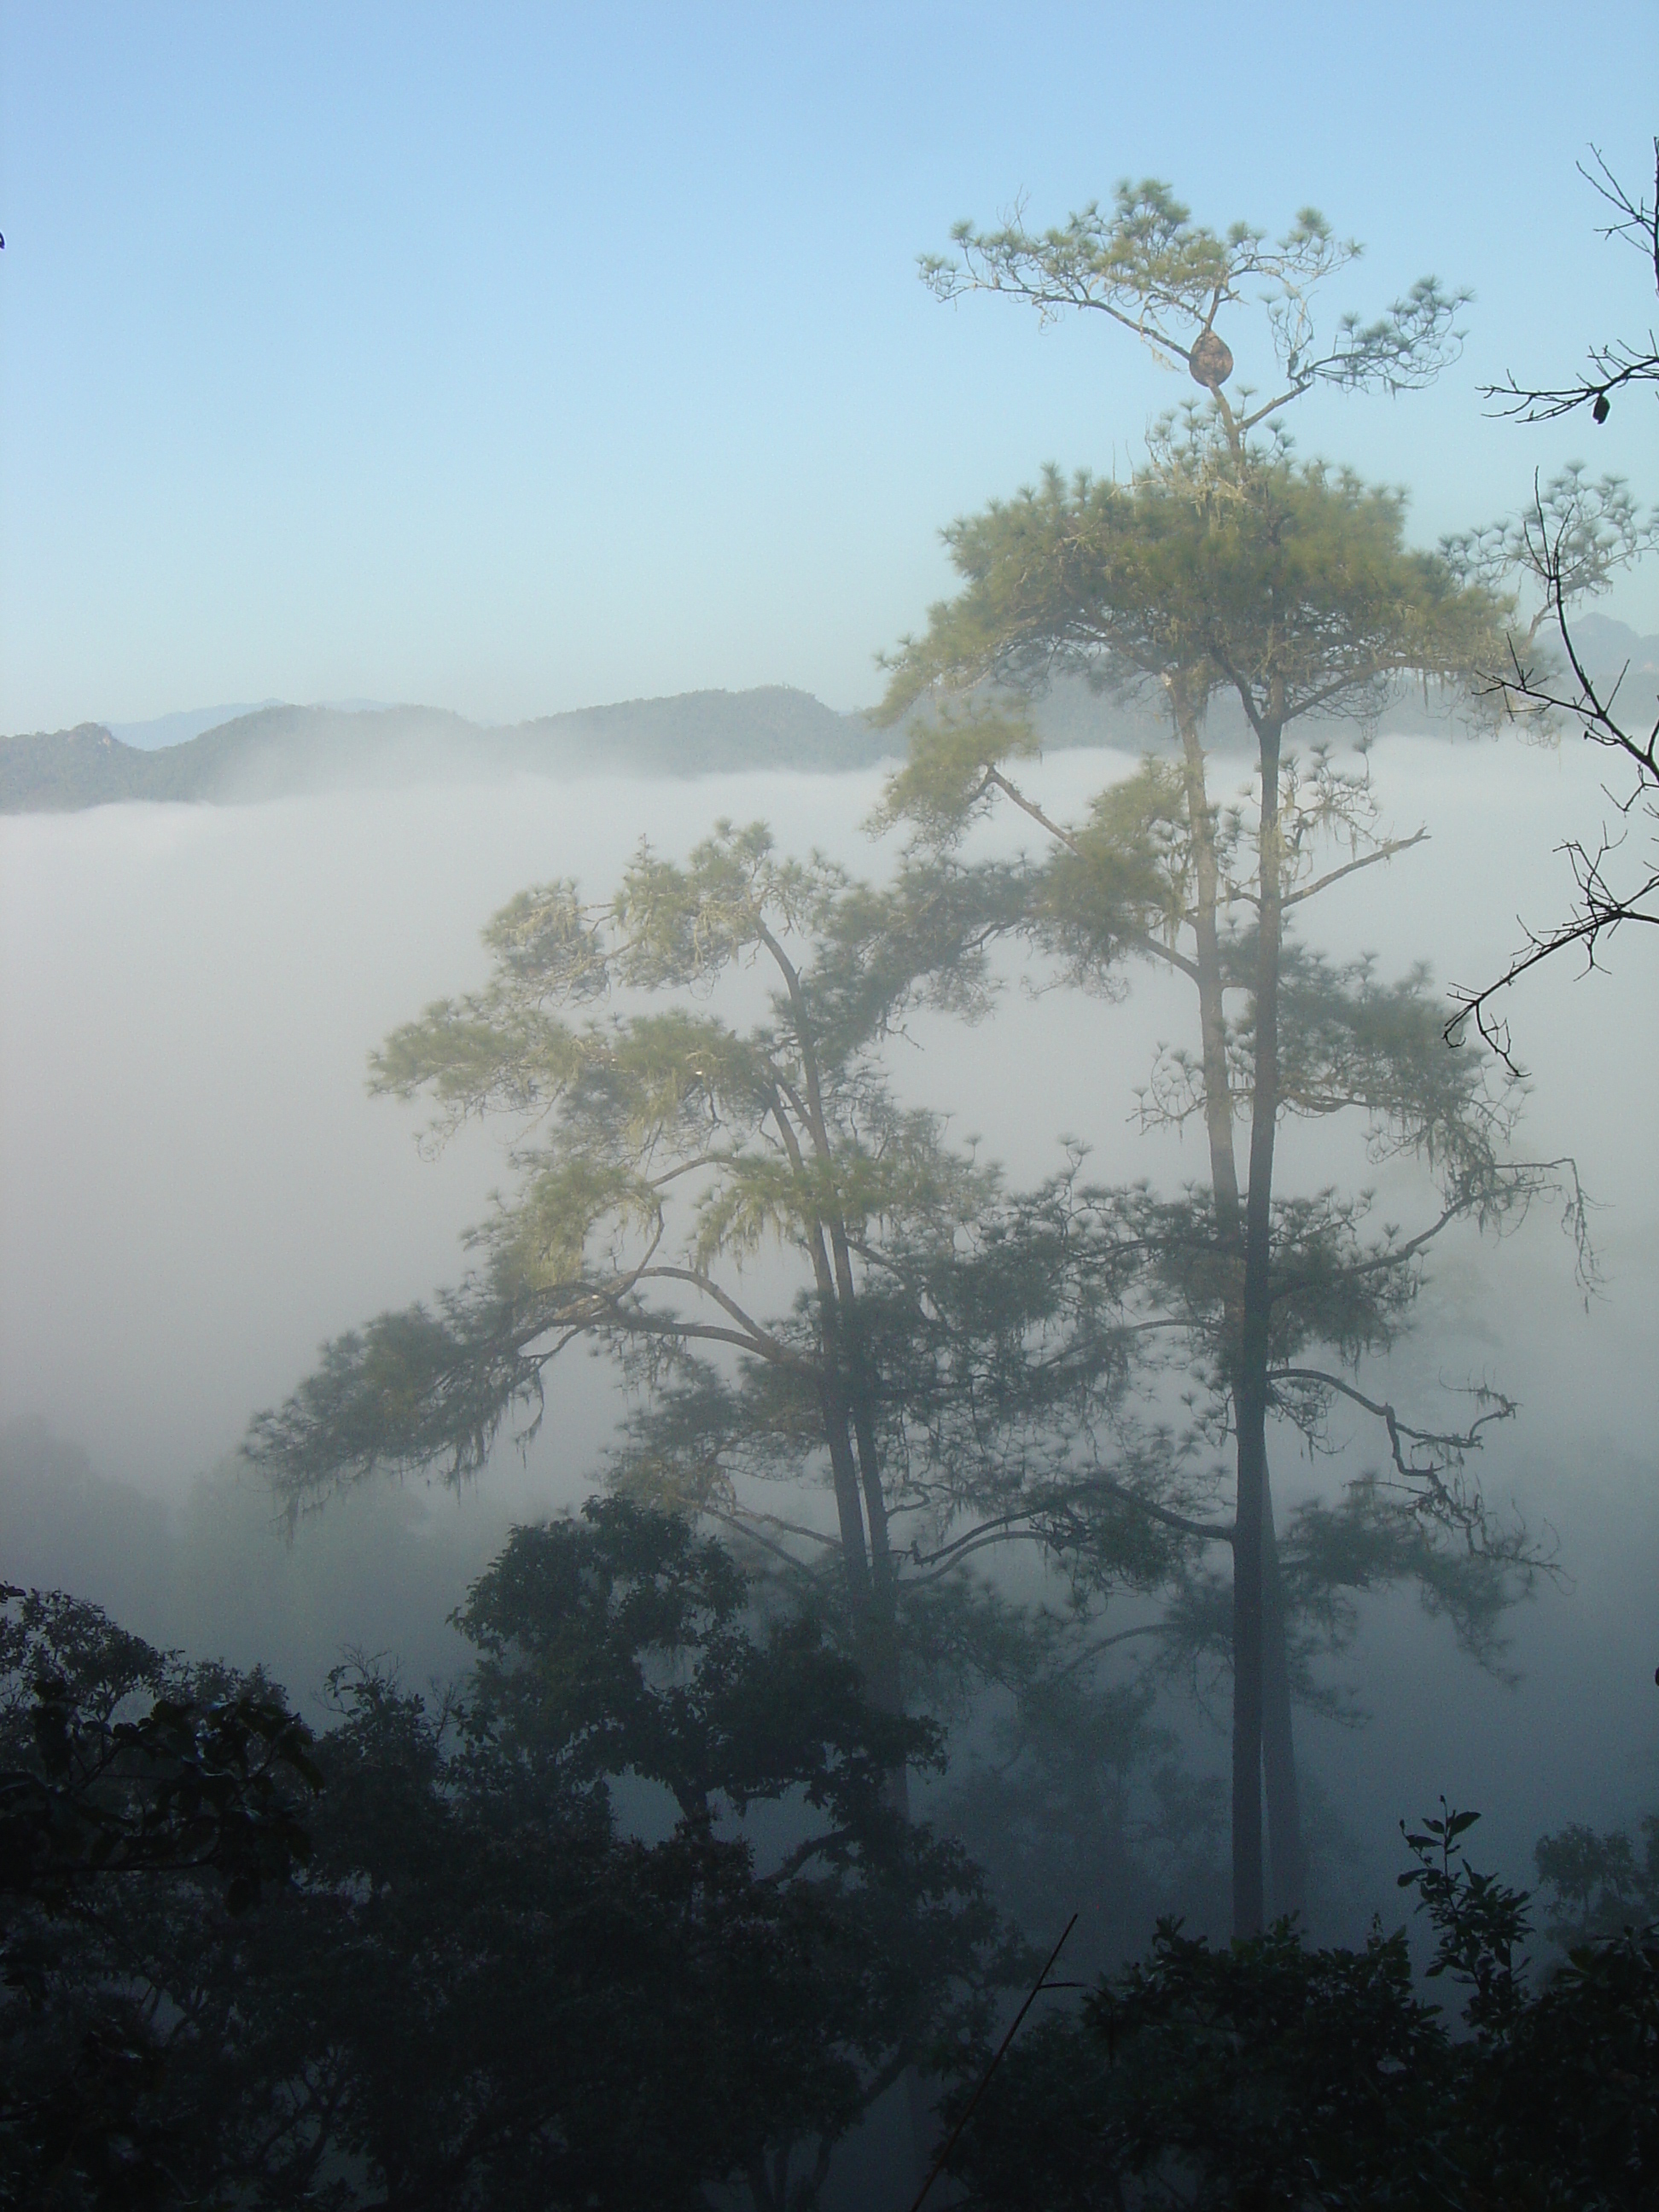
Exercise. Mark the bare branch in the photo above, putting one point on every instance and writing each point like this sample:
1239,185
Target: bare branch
1452,1444
1385,851
1620,365
1600,907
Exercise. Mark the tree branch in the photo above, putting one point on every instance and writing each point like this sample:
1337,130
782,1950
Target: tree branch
1383,852
1455,1443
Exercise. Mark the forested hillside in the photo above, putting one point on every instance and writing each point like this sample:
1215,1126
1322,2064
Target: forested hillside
280,752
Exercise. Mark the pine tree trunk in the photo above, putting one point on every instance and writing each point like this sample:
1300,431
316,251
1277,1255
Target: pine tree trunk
1286,1851
1246,1869
883,1663
1277,1749
1250,1388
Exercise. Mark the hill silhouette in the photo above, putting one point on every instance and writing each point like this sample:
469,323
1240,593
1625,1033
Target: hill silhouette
282,752
278,752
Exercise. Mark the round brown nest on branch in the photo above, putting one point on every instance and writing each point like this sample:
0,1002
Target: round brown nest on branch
1210,361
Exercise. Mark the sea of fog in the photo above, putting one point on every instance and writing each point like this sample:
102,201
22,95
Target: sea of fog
196,1190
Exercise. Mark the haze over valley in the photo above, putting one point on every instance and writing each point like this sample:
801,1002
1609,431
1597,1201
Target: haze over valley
179,1237
827,1263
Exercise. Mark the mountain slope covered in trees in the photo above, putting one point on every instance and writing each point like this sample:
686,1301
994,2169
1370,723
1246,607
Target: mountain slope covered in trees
280,752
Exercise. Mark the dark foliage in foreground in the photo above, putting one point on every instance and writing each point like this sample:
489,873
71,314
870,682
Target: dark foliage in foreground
1270,2074
422,1962
473,1986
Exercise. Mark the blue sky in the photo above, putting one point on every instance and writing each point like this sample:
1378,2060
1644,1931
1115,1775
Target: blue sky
513,359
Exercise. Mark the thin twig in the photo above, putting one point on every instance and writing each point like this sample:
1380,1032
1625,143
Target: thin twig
1037,1988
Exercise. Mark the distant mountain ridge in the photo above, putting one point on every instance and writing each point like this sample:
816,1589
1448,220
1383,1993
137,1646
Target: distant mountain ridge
282,752
177,728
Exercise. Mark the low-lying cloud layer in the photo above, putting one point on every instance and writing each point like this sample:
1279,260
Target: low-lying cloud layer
196,1189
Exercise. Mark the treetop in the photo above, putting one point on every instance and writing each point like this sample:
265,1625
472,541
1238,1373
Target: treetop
1148,266
1287,582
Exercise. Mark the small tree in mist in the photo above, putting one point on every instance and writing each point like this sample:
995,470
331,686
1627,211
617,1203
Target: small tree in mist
1226,567
623,1644
670,1158
662,1150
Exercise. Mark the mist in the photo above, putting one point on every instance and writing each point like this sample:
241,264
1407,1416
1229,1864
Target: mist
198,1191
859,1176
